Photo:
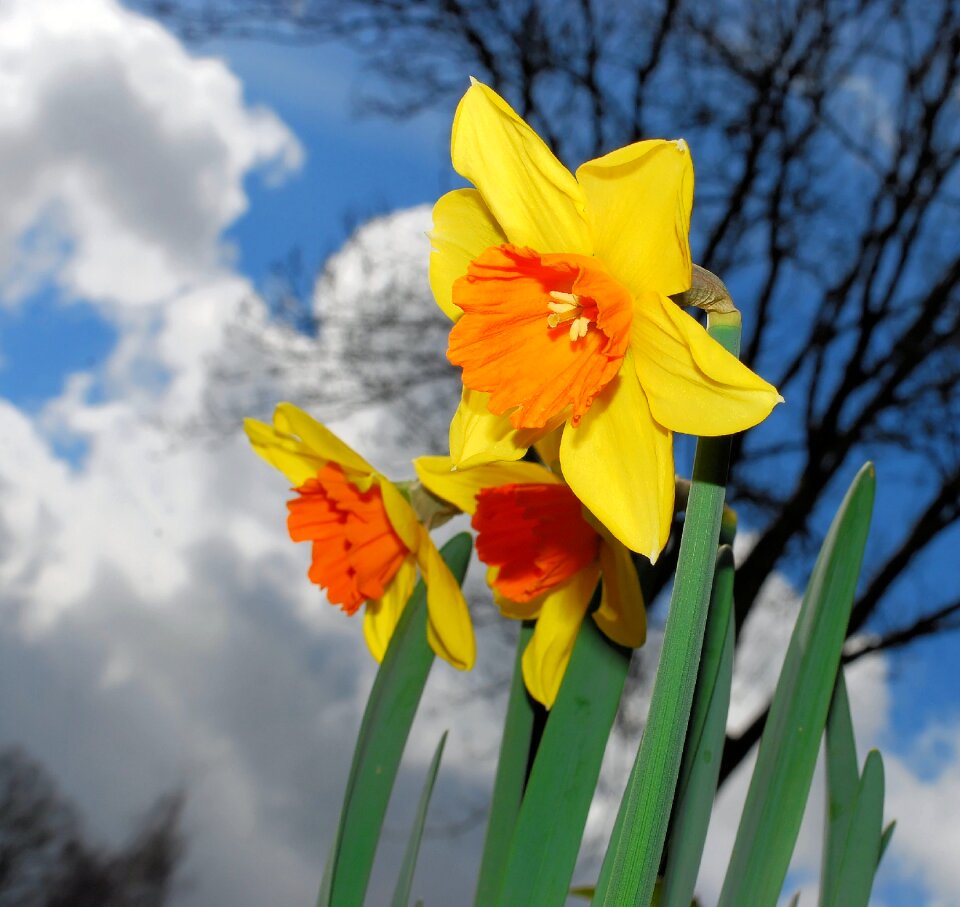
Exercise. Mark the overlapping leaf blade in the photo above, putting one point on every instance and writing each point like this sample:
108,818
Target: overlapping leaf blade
842,781
401,894
700,768
511,775
546,840
861,851
788,749
386,723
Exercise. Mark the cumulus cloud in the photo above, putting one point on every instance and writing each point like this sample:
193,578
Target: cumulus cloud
158,629
119,146
923,794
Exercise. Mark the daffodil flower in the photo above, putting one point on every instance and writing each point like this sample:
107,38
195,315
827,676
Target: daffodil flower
544,556
367,540
559,286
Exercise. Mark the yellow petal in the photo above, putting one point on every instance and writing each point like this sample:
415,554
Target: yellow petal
478,436
638,207
292,457
460,487
449,630
621,615
548,447
380,617
693,384
462,228
548,652
619,462
533,197
291,420
401,514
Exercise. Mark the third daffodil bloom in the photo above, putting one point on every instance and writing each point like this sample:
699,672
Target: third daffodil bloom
544,556
367,540
559,285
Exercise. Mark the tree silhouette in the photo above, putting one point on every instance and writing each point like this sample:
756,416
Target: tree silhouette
47,861
826,135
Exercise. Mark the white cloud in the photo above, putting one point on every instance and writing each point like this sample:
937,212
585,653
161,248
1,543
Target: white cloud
118,144
923,794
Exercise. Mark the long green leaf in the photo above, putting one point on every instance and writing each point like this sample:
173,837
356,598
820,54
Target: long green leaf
861,852
885,839
843,779
386,723
511,776
401,894
791,739
700,768
547,836
629,871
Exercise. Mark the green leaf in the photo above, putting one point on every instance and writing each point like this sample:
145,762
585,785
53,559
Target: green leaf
546,840
401,894
386,723
843,778
885,839
511,777
788,748
700,768
861,852
629,871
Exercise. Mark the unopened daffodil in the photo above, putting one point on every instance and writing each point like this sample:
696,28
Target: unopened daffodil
367,540
544,556
560,288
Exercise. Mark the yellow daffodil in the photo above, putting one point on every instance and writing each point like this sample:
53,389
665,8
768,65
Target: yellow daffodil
367,540
544,556
559,286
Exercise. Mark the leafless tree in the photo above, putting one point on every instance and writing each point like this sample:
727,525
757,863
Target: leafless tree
827,138
47,861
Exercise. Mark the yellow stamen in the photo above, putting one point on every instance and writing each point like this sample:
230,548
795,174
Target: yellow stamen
566,307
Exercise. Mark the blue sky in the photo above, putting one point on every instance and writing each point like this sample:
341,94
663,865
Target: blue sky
78,622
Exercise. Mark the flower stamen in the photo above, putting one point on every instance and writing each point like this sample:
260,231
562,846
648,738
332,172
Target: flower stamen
566,307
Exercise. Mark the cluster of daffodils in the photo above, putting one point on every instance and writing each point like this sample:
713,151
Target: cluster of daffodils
577,367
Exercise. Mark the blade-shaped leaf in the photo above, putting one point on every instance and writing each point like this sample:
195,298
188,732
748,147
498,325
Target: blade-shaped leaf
401,894
843,778
700,768
791,739
885,839
861,853
546,839
511,776
629,871
386,723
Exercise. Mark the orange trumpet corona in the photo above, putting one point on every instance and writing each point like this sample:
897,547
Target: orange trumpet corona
356,551
535,535
542,334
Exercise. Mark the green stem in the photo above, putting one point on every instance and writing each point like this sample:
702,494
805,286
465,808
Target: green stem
629,870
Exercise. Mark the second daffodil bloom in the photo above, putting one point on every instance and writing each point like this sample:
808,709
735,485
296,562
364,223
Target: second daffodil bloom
367,540
559,285
544,557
